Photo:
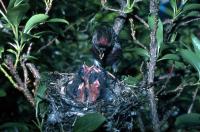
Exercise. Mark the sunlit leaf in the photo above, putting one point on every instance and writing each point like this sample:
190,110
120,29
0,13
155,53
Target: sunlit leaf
196,44
1,51
159,35
12,51
5,17
151,21
16,47
191,58
174,6
59,20
173,37
89,122
170,57
35,21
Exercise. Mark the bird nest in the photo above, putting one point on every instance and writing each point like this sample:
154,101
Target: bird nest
90,90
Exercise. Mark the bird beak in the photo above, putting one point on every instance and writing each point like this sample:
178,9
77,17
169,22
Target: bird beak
101,55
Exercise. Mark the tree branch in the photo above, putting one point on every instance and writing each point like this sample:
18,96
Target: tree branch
154,4
119,22
3,5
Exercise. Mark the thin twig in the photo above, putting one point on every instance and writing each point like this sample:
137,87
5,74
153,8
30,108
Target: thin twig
48,4
189,21
29,49
3,5
142,21
133,35
20,84
48,44
169,76
112,9
193,99
35,73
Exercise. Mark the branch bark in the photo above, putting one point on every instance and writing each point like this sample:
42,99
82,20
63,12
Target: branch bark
119,22
152,64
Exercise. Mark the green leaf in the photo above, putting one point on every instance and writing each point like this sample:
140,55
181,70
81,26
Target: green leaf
32,57
179,65
11,4
128,10
14,3
170,57
191,58
16,47
174,7
40,93
173,3
58,20
196,44
89,122
14,126
191,7
173,37
5,17
27,37
12,51
2,93
82,36
131,80
159,35
151,21
188,120
16,14
141,52
34,21
1,51
192,14
168,11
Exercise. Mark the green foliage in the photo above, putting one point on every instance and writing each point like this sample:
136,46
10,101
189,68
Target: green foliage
188,120
193,57
68,45
159,33
1,51
170,57
34,21
2,93
89,122
14,126
16,13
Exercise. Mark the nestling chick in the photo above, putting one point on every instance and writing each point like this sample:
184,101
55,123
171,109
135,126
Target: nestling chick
106,48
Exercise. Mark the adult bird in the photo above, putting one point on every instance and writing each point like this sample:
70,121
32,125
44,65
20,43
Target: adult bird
106,48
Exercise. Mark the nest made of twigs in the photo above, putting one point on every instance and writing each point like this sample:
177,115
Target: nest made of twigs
119,106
